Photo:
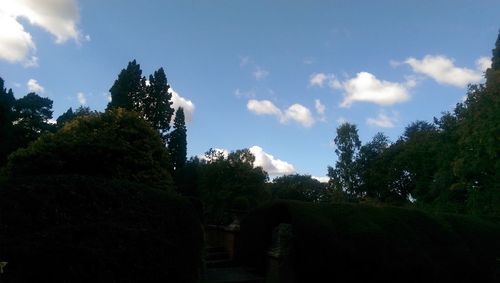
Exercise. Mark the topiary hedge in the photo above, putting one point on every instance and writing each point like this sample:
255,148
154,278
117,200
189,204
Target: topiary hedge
356,243
88,229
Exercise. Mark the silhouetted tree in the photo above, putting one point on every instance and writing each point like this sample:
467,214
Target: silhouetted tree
156,103
177,144
127,90
151,98
343,178
69,115
7,102
230,183
298,187
32,115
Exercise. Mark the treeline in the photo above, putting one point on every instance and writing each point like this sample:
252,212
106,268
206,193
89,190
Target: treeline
451,164
91,196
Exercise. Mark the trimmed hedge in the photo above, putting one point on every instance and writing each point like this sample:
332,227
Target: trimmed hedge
356,243
82,229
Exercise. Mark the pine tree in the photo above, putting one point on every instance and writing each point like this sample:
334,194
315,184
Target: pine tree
177,144
157,104
127,90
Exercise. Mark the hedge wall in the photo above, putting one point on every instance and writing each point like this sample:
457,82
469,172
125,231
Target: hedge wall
353,243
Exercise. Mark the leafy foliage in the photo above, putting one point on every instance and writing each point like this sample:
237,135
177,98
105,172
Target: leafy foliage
70,115
230,183
343,177
116,145
22,121
298,187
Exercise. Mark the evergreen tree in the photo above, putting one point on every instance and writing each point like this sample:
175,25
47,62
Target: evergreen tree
177,144
7,101
70,115
127,90
157,104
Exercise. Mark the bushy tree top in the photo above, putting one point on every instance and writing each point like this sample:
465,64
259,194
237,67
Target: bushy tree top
116,145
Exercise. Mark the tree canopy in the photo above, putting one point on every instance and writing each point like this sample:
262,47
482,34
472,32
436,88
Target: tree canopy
115,145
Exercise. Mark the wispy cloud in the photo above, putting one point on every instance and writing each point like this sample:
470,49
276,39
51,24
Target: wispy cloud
81,98
322,79
383,120
320,109
260,73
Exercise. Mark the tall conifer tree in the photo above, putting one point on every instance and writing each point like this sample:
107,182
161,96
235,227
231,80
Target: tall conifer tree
127,90
177,145
157,104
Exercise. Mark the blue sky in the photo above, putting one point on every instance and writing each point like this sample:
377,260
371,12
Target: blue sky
274,76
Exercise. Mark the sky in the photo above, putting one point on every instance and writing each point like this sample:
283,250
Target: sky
277,77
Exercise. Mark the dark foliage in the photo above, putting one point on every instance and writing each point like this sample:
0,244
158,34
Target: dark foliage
151,98
177,144
357,243
86,229
298,187
115,145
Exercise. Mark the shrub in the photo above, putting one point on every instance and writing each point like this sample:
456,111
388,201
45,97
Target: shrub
114,145
88,229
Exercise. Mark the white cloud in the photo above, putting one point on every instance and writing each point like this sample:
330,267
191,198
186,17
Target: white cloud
483,63
320,108
263,107
443,70
296,112
58,17
300,114
322,179
260,73
382,120
319,80
269,163
81,98
15,43
186,104
34,86
365,87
